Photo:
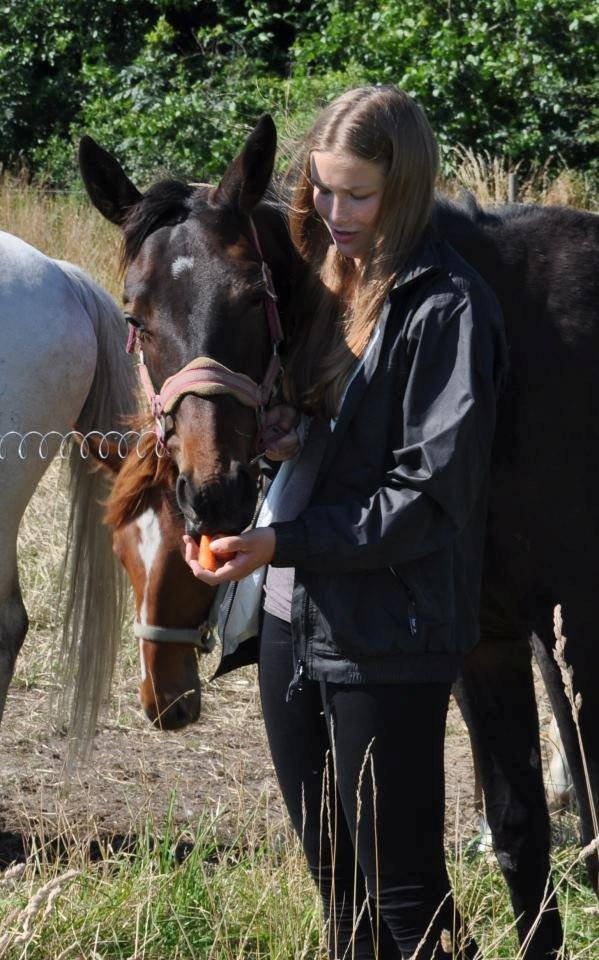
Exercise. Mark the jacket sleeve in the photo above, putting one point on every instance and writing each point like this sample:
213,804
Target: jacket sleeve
438,472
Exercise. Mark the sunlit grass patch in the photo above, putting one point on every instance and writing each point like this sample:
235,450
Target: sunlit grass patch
187,895
249,898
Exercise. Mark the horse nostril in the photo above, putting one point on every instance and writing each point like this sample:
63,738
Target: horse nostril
181,490
192,501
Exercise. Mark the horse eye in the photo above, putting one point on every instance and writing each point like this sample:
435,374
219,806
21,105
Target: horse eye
129,318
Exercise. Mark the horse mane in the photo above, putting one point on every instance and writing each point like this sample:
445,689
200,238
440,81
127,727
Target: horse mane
165,203
468,210
142,471
169,202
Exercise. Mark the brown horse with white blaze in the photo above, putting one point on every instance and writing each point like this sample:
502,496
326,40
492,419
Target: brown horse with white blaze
171,605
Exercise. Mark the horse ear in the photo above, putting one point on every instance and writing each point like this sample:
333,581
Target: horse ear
248,176
107,185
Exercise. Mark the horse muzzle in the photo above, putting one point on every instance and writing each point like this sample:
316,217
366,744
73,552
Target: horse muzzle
224,505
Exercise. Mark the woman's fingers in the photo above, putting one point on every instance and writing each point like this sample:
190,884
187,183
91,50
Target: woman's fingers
284,448
191,558
279,431
228,545
191,549
250,551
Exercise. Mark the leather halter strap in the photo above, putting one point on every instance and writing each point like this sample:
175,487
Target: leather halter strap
205,376
197,637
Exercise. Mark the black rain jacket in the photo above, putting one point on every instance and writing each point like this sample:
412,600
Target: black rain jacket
388,555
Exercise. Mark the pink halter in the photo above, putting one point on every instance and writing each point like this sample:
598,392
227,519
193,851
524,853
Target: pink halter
204,376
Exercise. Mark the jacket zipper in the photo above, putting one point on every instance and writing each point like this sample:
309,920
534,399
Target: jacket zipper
412,608
297,681
412,618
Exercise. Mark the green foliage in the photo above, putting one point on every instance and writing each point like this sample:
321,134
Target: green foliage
162,112
515,77
43,46
175,83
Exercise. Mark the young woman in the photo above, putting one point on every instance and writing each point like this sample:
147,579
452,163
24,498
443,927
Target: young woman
374,566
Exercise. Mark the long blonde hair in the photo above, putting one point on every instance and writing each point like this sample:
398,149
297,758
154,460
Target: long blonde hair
343,300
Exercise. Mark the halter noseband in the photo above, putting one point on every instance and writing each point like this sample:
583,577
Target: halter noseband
199,637
206,377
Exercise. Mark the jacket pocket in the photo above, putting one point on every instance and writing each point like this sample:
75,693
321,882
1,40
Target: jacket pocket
412,605
363,614
431,582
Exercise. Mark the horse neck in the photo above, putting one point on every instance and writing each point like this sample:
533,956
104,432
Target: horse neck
477,235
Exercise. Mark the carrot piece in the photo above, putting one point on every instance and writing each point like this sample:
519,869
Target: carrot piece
209,560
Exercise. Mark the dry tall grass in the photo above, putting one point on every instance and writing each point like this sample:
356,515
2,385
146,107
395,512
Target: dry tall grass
487,177
62,227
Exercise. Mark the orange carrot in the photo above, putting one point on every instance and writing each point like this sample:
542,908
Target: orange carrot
209,560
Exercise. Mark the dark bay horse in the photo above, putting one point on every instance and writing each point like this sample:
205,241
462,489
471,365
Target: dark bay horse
195,288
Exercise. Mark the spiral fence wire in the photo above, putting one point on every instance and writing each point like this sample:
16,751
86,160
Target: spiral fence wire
53,443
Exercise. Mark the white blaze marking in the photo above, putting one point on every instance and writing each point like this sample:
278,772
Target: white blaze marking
149,544
180,265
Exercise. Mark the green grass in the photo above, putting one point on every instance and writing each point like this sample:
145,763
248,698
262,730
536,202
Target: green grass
250,899
219,902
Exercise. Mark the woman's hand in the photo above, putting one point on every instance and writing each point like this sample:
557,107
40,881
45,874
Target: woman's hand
280,427
252,550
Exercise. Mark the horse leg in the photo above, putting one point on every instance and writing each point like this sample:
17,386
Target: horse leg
13,629
559,785
497,699
17,485
581,655
485,843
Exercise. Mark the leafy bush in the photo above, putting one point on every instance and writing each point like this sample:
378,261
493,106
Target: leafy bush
43,45
175,84
515,77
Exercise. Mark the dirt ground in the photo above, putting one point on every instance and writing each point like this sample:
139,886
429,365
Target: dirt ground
218,767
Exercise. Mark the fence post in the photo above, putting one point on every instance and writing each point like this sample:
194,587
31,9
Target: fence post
512,188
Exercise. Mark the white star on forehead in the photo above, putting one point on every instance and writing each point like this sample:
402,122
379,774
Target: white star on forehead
180,265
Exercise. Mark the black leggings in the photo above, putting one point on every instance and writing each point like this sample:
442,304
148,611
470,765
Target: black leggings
361,770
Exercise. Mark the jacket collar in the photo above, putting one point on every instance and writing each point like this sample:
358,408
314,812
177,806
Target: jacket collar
422,261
